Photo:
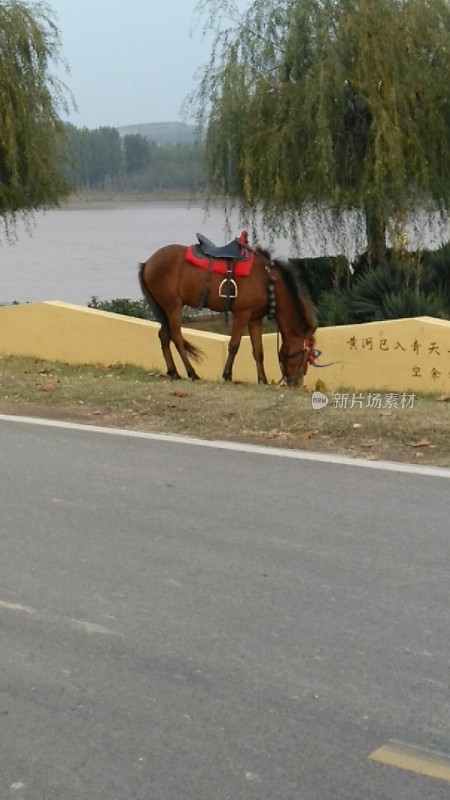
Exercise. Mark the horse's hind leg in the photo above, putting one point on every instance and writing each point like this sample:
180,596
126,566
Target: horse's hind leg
164,338
176,336
163,333
179,343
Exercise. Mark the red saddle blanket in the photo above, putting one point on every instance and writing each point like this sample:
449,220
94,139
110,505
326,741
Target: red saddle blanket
241,268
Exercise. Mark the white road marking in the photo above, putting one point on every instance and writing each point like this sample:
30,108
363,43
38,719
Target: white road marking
77,624
16,607
299,455
91,627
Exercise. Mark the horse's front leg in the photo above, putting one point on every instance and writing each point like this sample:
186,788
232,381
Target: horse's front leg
239,323
255,331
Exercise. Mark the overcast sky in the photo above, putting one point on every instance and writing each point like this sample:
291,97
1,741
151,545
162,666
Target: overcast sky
131,61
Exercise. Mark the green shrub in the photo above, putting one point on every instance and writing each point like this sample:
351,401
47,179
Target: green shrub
404,286
409,303
130,308
436,272
320,275
369,291
333,308
136,308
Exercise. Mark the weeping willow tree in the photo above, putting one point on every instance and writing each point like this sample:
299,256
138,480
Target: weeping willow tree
31,132
329,104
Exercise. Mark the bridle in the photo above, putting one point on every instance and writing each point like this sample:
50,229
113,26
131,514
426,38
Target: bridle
283,358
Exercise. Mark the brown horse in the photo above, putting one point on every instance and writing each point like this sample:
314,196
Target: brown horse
169,282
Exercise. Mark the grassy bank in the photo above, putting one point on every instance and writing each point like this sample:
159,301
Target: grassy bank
128,397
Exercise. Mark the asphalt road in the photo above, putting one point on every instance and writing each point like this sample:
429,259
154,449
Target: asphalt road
186,623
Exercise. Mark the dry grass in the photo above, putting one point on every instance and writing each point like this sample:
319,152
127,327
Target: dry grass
128,397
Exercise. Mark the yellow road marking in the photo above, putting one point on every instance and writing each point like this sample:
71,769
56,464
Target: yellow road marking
414,759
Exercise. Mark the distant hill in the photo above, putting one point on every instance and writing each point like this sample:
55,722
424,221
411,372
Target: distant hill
163,133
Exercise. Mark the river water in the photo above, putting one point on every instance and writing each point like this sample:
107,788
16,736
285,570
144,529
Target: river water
73,253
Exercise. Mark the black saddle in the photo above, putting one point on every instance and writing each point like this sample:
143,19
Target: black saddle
232,250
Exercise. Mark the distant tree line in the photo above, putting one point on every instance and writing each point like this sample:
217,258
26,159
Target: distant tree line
103,159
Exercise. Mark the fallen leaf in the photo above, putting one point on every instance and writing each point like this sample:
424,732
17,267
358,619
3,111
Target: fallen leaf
421,443
357,425
304,436
180,394
48,387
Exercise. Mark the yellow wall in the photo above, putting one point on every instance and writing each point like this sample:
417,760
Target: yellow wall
400,355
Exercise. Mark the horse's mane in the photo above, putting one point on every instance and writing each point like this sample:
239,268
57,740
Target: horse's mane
302,303
262,251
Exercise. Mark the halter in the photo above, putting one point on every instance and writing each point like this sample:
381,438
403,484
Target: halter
292,380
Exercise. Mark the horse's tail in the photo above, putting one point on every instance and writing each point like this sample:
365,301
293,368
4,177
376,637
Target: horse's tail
154,305
195,352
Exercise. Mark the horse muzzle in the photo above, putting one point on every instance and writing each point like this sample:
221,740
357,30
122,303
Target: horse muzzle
307,355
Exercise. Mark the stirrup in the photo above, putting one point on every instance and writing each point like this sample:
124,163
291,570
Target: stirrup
224,292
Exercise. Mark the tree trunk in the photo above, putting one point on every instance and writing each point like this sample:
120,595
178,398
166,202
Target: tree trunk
376,238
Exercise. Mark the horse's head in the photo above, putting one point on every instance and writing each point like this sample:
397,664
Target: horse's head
297,323
294,361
